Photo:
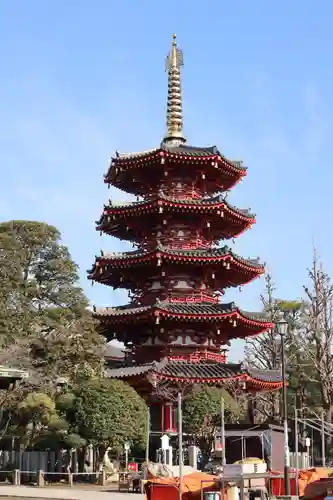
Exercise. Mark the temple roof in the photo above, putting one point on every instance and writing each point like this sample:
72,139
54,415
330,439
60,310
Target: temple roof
200,371
131,220
10,375
212,201
130,172
180,150
113,352
197,253
196,310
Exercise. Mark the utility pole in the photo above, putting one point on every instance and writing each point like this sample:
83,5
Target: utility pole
296,449
180,443
223,462
323,450
148,435
282,328
127,448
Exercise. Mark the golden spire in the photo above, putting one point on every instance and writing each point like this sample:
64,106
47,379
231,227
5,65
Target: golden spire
174,119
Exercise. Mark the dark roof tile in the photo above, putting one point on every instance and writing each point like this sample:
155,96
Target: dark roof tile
265,375
197,253
182,369
182,149
202,309
112,351
214,200
128,371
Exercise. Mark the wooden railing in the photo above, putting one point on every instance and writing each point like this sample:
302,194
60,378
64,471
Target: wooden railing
193,298
183,193
181,244
197,356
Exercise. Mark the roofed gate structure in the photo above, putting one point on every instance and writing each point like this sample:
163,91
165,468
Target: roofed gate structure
175,328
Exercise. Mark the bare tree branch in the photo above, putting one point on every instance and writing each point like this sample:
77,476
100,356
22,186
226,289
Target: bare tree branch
317,336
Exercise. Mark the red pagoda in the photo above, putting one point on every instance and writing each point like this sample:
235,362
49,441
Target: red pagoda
175,329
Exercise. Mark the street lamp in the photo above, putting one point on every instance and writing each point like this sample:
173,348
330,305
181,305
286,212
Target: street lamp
282,328
127,449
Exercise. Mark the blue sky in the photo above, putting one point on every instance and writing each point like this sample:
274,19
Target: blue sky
80,79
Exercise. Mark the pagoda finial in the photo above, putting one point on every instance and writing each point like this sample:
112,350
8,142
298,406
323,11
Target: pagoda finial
174,119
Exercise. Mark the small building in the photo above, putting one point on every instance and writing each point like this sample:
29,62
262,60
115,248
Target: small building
265,441
9,376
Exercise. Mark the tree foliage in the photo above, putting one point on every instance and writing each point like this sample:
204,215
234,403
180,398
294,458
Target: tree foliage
41,279
71,349
316,336
34,418
264,351
202,415
47,329
106,413
45,326
308,348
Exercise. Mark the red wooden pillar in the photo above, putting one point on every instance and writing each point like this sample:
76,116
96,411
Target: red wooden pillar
168,423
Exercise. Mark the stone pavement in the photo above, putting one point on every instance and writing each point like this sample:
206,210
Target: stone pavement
22,492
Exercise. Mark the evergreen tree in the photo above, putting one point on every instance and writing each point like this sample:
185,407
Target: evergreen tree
45,326
202,415
105,413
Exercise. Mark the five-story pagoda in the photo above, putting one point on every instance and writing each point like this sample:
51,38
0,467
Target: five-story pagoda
175,328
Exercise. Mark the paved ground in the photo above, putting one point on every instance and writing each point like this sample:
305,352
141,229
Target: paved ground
34,493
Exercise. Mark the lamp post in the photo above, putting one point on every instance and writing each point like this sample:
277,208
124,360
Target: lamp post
296,449
148,435
127,448
222,434
282,328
